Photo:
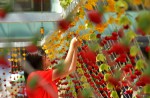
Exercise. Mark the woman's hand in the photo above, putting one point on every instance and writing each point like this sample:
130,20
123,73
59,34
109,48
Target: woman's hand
74,42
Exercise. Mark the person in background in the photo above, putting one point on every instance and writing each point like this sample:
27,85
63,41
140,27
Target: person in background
42,83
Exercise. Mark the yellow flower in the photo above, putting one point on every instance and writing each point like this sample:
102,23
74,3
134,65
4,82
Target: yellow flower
73,23
117,20
81,27
111,6
110,20
78,64
80,71
83,79
81,16
86,85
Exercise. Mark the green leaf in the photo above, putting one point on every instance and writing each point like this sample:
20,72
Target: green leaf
103,67
100,57
147,70
124,20
93,46
147,89
114,94
140,64
86,93
117,74
110,86
131,35
93,36
107,76
134,50
120,4
60,67
143,21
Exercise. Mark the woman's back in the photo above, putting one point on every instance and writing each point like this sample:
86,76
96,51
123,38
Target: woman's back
40,85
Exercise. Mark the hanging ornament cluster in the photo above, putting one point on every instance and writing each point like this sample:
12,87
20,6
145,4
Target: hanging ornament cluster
112,64
109,65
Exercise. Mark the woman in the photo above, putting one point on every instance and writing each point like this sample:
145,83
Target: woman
42,83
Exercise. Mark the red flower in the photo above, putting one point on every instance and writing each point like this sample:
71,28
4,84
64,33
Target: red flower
78,87
94,16
104,41
133,77
96,67
32,48
139,96
125,69
121,33
114,34
91,56
97,81
128,92
101,89
147,48
129,66
87,75
114,81
140,83
72,76
140,31
126,26
145,79
100,75
138,72
2,13
113,38
118,48
107,38
89,79
104,95
124,83
63,24
121,58
89,67
101,43
132,61
4,62
98,35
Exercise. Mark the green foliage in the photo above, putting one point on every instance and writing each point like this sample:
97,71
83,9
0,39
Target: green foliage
60,67
103,67
134,50
94,46
147,89
114,94
107,76
65,3
143,21
100,57
140,64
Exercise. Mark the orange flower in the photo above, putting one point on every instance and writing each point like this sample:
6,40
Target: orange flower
100,27
88,6
136,2
110,20
147,3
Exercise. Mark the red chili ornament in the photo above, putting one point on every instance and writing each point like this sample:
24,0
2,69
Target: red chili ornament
94,16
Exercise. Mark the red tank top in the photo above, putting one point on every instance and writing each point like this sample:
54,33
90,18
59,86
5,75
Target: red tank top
40,85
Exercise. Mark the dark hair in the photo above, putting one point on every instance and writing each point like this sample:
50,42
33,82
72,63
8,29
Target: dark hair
35,60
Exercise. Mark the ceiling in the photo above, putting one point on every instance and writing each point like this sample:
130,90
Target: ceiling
26,25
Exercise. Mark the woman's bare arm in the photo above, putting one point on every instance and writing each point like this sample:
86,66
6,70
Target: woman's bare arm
69,63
